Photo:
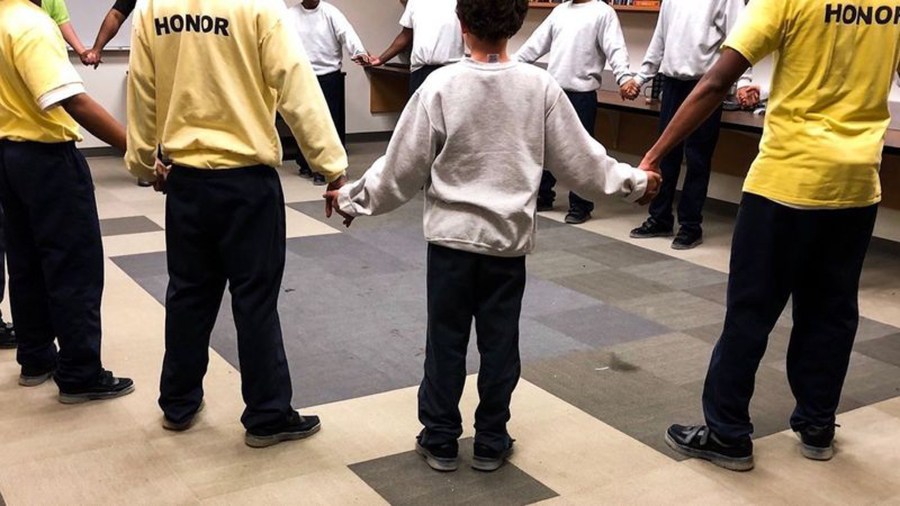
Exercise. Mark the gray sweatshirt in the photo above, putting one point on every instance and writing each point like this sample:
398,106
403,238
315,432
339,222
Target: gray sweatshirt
477,136
581,39
688,37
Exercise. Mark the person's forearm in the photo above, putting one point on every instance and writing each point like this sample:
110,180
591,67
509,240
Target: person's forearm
400,44
71,38
110,27
94,118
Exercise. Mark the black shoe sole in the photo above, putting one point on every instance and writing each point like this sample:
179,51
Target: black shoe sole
94,396
442,464
731,463
266,441
571,220
544,209
654,235
486,465
9,346
685,247
183,426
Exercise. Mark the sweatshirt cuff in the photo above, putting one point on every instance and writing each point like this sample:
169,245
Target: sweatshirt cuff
640,80
344,202
639,186
334,177
625,78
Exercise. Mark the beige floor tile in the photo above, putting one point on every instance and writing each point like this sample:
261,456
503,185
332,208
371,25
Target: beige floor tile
333,486
134,244
301,225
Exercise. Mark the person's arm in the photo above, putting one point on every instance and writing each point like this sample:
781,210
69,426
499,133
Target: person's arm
401,43
110,27
583,165
286,69
538,44
612,42
349,39
397,177
140,159
655,52
68,33
706,98
732,10
95,119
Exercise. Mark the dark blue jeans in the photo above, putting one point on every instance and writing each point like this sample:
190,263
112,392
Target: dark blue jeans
698,149
816,257
225,226
55,257
585,104
463,286
333,87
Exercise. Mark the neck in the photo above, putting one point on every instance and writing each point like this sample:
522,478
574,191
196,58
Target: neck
488,52
310,4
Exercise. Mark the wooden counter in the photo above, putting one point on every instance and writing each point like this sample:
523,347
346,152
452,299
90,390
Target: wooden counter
389,88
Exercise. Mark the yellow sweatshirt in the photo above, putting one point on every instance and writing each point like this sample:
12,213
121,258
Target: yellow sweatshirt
205,79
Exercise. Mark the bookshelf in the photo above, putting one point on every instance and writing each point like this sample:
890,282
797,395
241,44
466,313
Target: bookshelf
624,8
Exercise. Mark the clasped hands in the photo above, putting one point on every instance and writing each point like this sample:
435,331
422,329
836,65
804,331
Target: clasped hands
331,200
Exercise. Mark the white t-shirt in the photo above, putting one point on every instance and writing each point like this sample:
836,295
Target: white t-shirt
437,36
325,33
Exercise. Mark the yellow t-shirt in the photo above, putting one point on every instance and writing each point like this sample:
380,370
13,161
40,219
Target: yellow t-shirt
33,63
828,110
205,79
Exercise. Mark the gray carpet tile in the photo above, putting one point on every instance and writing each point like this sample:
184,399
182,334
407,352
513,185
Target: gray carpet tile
546,297
555,264
611,285
619,254
714,293
676,310
567,237
886,349
678,274
405,479
602,325
676,358
127,226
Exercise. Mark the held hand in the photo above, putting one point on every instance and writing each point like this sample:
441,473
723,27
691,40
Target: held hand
375,61
331,198
748,96
92,58
162,175
363,60
654,179
331,193
630,90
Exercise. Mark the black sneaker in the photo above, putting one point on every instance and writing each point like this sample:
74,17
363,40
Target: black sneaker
443,457
305,172
185,425
8,339
319,180
295,427
651,229
30,377
105,388
687,239
544,205
817,443
577,216
700,443
143,183
488,460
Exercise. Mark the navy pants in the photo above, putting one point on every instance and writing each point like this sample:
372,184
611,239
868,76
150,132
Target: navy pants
225,226
816,258
418,77
463,286
585,104
698,149
333,87
55,256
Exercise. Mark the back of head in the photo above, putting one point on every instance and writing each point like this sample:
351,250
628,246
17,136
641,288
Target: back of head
492,20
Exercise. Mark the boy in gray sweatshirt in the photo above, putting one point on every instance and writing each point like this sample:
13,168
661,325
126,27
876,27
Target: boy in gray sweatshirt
477,135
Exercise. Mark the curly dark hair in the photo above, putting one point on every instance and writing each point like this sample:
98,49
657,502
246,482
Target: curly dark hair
492,20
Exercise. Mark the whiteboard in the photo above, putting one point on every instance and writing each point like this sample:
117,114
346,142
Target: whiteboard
88,15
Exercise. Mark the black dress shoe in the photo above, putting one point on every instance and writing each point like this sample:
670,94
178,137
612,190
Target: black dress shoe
31,377
443,457
544,205
687,239
319,180
106,387
577,216
294,428
488,460
701,443
817,443
185,424
8,339
651,229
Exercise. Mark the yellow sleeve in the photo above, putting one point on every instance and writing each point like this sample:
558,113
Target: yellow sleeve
141,107
287,70
40,57
760,30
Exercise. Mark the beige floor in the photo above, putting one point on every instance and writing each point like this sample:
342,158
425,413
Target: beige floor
116,452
